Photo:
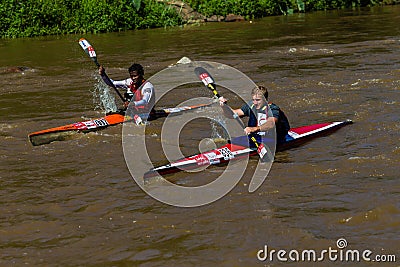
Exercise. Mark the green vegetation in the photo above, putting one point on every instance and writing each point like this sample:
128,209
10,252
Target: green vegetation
29,18
261,8
45,17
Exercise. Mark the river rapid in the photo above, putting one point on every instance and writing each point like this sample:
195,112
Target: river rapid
74,202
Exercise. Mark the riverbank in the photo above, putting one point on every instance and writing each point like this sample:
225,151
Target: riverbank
48,17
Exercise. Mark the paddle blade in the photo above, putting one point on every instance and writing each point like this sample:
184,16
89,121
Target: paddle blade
204,76
89,50
138,120
262,151
207,79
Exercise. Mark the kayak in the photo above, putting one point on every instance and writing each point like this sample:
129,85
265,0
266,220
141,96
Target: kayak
230,152
63,132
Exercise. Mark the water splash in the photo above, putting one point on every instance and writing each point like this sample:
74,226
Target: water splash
217,131
103,99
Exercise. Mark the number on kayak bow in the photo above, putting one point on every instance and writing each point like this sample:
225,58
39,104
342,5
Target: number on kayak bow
226,153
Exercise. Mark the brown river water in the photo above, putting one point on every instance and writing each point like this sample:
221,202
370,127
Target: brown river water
74,202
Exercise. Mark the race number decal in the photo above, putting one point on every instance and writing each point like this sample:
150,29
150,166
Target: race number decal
91,51
85,125
262,151
101,122
226,153
261,118
206,79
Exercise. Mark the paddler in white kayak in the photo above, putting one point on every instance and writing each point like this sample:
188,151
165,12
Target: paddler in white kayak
139,92
259,122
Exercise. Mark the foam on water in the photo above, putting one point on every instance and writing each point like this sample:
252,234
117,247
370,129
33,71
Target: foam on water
102,97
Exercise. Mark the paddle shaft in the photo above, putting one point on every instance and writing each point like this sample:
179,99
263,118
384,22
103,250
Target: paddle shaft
89,50
208,81
229,111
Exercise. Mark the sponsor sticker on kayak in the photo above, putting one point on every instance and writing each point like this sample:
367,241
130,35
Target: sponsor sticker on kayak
84,125
201,160
207,159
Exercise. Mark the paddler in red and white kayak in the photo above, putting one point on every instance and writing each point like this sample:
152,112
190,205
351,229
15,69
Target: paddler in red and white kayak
139,92
259,122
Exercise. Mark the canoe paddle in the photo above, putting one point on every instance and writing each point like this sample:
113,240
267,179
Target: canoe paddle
89,50
208,81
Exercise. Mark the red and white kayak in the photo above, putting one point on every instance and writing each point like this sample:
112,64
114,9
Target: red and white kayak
228,152
62,132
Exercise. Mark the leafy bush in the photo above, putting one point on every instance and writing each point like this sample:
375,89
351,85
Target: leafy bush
260,8
44,17
247,8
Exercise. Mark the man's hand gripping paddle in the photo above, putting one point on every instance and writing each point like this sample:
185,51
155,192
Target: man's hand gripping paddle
208,81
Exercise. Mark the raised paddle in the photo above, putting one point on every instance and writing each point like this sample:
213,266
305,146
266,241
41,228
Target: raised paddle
88,48
208,81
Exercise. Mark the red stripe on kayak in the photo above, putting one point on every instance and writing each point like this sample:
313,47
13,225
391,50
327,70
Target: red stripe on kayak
309,128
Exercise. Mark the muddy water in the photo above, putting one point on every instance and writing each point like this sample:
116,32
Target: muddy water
74,203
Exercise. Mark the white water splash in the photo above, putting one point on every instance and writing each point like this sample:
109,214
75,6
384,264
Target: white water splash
217,129
103,99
